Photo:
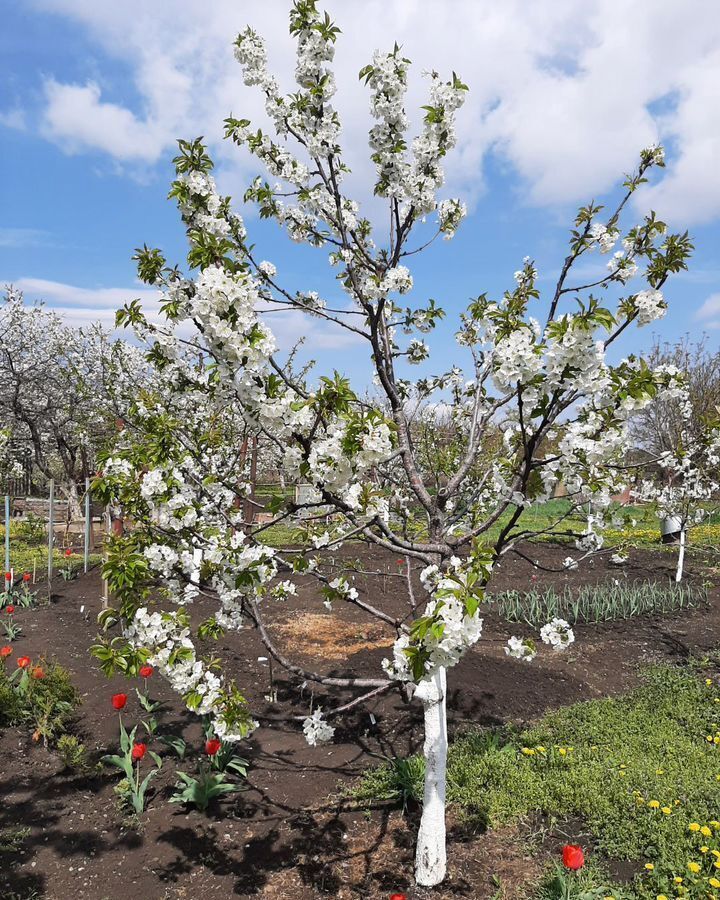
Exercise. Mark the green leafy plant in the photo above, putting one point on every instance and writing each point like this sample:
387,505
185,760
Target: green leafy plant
131,754
201,790
39,695
598,602
12,629
72,752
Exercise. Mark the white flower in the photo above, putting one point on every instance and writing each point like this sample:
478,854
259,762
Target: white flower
558,634
521,649
268,269
317,729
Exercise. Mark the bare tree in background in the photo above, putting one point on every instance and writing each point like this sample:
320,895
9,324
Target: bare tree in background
656,429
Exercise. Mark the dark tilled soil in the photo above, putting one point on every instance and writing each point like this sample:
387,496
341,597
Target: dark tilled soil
288,834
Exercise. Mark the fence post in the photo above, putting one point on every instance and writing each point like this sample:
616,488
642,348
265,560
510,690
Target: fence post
88,526
51,533
7,533
108,527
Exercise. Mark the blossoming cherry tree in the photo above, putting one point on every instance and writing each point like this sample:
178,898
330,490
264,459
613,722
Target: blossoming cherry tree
535,371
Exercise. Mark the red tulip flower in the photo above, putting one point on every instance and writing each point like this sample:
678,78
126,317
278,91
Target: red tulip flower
212,746
26,577
398,897
68,552
119,700
5,651
10,609
138,751
23,661
8,576
573,857
38,672
146,671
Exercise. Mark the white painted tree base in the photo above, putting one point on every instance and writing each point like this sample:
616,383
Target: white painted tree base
681,557
430,853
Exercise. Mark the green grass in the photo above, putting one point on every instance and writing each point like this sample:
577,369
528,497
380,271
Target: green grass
607,763
28,548
604,602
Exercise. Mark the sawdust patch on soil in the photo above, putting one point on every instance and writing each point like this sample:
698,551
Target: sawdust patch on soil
330,637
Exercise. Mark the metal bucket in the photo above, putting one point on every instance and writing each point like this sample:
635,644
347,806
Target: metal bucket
670,529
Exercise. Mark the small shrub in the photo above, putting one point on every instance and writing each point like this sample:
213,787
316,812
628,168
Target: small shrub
72,752
44,699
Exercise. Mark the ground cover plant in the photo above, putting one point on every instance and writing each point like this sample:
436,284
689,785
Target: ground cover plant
640,772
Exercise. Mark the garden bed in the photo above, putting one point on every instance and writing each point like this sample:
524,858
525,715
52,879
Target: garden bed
291,834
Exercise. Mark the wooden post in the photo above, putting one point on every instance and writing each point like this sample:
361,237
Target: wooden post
7,533
88,526
51,533
108,527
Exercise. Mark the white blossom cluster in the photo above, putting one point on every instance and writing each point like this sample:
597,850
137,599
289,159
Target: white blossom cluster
316,729
558,634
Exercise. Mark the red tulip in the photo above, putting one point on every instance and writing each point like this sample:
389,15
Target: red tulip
212,746
38,672
573,857
138,751
5,651
119,700
68,552
398,897
10,609
146,671
8,576
26,576
23,661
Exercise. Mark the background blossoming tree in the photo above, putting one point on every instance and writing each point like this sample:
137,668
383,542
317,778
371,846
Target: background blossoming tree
61,390
533,399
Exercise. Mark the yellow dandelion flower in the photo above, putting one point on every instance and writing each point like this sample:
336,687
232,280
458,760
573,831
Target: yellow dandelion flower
666,810
694,826
694,867
704,849
713,882
654,804
705,831
677,879
528,751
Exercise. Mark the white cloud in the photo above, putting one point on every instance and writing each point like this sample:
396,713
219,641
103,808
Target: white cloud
567,93
13,118
76,117
23,237
709,312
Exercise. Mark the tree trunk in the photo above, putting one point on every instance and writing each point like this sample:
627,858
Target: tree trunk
681,556
430,854
74,510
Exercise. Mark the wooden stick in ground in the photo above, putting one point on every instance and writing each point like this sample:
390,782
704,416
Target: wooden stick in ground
7,533
51,534
88,526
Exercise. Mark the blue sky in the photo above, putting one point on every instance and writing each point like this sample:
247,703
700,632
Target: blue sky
562,98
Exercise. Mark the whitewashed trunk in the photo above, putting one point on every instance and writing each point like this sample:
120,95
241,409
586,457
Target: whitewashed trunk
681,558
430,854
